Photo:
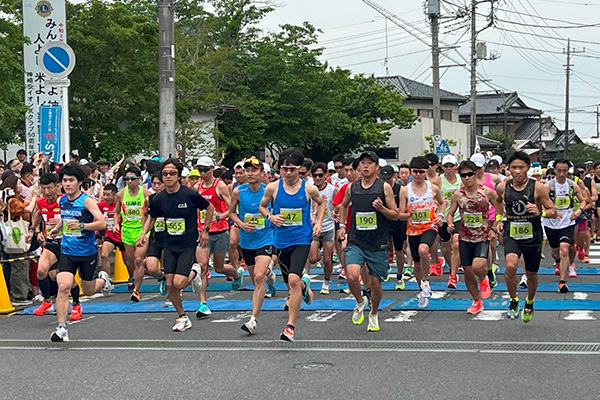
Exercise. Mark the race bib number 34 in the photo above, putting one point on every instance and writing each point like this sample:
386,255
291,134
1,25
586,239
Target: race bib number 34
521,230
562,202
366,221
175,226
291,216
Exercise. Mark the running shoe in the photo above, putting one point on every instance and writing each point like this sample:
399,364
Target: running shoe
572,271
38,298
586,259
408,273
270,292
452,281
433,270
182,324
527,312
130,285
325,288
168,303
197,281
485,288
288,333
523,282
271,278
373,323
390,257
461,270
45,308
237,283
557,268
162,286
76,312
342,274
107,284
203,311
307,294
243,264
492,276
335,259
422,300
286,307
367,293
400,285
542,256
250,326
358,315
440,267
60,335
513,310
425,289
580,252
135,296
208,274
476,307
562,287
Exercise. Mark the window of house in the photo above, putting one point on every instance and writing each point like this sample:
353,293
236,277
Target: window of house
447,115
390,153
425,113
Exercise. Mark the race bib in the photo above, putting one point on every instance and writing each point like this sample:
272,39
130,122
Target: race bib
255,219
473,220
366,221
421,216
71,232
175,226
133,213
562,202
159,225
203,216
448,193
291,216
110,223
521,230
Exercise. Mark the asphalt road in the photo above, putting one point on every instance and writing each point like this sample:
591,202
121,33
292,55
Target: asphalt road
417,353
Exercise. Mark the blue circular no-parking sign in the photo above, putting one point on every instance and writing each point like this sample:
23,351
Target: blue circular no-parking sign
56,59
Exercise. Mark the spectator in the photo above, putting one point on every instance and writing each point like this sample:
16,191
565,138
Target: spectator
22,156
15,165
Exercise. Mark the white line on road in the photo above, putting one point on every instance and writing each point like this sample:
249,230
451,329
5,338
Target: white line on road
490,315
235,318
580,296
404,316
81,320
580,315
322,316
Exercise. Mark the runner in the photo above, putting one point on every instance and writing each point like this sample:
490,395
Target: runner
178,205
216,193
233,252
522,198
437,265
256,236
404,178
129,221
350,176
569,202
586,225
156,241
47,212
372,202
325,240
473,203
450,183
112,238
293,230
419,201
80,217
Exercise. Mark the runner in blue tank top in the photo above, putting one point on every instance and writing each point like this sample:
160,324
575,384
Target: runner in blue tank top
256,235
80,217
293,230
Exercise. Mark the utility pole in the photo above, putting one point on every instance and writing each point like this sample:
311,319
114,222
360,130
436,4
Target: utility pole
434,15
597,120
386,62
569,52
473,121
166,78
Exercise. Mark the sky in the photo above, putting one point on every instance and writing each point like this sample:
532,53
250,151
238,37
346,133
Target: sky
529,37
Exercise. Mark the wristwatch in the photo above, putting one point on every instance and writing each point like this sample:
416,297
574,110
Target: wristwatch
81,225
206,228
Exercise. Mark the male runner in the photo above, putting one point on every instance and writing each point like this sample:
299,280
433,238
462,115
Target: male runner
437,265
449,183
256,235
178,205
216,193
473,203
404,178
239,173
372,202
522,199
419,201
129,221
80,218
155,242
293,230
350,176
112,238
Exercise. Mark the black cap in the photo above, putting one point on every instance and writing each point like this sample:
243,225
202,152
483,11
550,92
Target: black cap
493,164
386,172
370,154
102,161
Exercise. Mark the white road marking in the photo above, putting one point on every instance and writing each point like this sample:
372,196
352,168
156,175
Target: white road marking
580,296
88,298
490,315
438,295
404,316
81,320
580,315
322,316
235,318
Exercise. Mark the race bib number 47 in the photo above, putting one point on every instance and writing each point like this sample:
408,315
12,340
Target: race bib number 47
291,216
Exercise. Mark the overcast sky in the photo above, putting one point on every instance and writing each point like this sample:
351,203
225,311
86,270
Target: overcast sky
354,38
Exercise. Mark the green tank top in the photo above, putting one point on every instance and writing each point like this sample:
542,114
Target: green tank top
448,190
132,208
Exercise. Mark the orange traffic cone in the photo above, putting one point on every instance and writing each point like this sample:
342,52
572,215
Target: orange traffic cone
121,274
5,304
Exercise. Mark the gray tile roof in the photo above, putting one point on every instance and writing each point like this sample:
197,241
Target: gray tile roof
418,90
530,129
495,104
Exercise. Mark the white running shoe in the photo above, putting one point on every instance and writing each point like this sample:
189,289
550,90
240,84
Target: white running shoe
423,301
182,324
107,285
425,289
60,335
197,281
271,277
357,315
373,323
250,326
523,282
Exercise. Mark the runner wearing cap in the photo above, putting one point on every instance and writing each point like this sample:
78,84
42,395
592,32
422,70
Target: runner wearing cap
216,193
450,183
193,178
404,178
437,265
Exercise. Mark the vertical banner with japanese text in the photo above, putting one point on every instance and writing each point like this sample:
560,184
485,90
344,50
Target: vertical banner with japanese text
50,124
43,21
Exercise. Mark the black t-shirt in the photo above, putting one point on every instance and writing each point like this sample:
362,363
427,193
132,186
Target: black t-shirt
180,212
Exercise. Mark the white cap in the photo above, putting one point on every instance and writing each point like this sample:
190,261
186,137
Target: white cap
382,162
478,159
205,161
551,164
185,172
449,159
83,161
330,166
267,167
497,158
237,165
571,170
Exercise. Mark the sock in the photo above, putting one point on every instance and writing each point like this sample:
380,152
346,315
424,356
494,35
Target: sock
53,288
527,301
252,319
62,325
75,294
182,315
515,299
44,285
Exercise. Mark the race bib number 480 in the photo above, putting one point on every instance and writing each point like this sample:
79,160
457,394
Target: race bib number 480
291,216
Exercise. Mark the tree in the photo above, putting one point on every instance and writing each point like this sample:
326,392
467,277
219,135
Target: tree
580,153
499,137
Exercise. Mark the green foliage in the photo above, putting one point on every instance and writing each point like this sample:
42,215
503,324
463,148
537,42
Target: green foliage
581,152
500,150
429,139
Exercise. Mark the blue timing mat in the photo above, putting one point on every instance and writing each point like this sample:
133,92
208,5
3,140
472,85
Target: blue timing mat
498,304
215,305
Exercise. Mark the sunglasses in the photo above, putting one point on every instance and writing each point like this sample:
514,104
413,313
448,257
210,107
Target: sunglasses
432,164
302,173
170,173
448,165
467,174
419,171
130,178
291,168
203,169
318,175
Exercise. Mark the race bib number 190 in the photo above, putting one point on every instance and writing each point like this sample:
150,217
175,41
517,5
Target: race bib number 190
366,221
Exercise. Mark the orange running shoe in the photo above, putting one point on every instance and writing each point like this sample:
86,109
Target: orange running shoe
586,260
484,288
76,312
476,307
452,281
45,308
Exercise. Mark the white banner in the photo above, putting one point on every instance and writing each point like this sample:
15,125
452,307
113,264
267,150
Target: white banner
43,21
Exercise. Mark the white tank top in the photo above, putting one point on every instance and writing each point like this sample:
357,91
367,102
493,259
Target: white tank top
327,194
422,209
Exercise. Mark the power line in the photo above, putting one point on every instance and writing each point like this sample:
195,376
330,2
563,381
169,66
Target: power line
379,59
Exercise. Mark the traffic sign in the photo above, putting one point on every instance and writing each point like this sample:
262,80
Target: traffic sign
437,139
56,59
442,148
